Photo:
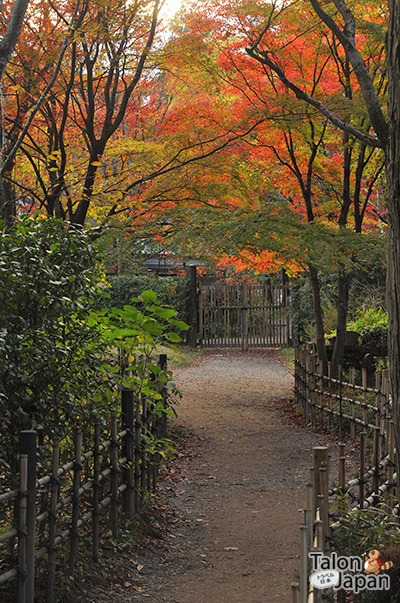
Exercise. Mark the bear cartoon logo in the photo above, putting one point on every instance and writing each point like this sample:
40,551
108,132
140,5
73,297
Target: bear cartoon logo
374,564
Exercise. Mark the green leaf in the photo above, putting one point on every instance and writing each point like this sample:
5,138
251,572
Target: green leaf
162,312
148,296
116,333
153,327
174,337
179,324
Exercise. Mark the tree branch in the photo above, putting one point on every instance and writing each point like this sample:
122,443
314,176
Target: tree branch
262,57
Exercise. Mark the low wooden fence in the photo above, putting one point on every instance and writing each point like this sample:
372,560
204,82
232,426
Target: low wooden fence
348,405
355,410
43,515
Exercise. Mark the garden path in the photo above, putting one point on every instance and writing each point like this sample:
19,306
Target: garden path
234,492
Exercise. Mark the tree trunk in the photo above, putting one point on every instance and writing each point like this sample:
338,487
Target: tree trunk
393,186
342,302
319,319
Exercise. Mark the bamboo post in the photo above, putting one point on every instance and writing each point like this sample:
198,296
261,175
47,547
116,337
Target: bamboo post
391,453
307,387
23,481
296,592
73,555
143,460
53,522
363,437
193,309
245,316
378,412
157,456
162,363
96,491
313,395
201,315
311,492
303,563
390,470
296,375
320,456
352,406
364,378
128,410
137,454
310,499
386,410
146,464
376,459
114,478
319,384
308,522
323,504
340,378
27,445
342,467
319,531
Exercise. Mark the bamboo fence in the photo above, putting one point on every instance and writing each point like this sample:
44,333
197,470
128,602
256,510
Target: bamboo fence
358,411
48,517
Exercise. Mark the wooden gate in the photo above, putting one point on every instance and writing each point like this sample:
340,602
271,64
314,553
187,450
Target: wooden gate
246,316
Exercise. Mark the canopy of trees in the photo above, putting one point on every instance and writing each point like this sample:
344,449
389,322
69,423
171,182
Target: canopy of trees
252,133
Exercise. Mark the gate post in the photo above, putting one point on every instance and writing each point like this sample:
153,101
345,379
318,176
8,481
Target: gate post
245,317
27,445
192,308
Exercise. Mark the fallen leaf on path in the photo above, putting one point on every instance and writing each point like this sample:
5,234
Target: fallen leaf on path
231,548
140,567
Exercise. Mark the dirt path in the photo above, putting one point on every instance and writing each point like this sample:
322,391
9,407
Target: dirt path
235,493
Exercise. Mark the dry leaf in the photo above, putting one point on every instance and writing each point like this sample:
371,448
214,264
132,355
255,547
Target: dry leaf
231,548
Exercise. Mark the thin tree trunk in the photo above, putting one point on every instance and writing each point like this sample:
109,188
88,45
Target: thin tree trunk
393,184
319,318
342,303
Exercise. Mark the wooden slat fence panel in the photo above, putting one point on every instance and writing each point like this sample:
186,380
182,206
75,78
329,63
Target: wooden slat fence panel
248,315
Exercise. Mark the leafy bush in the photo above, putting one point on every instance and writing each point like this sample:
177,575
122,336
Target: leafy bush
60,359
49,355
136,331
372,326
170,290
374,528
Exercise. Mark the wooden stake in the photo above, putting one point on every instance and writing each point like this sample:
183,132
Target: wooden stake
137,454
303,563
127,415
114,478
363,437
27,446
53,522
320,456
342,466
22,573
295,592
96,491
73,556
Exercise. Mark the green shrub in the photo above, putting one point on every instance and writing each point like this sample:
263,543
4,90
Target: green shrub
372,326
170,291
361,530
49,355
